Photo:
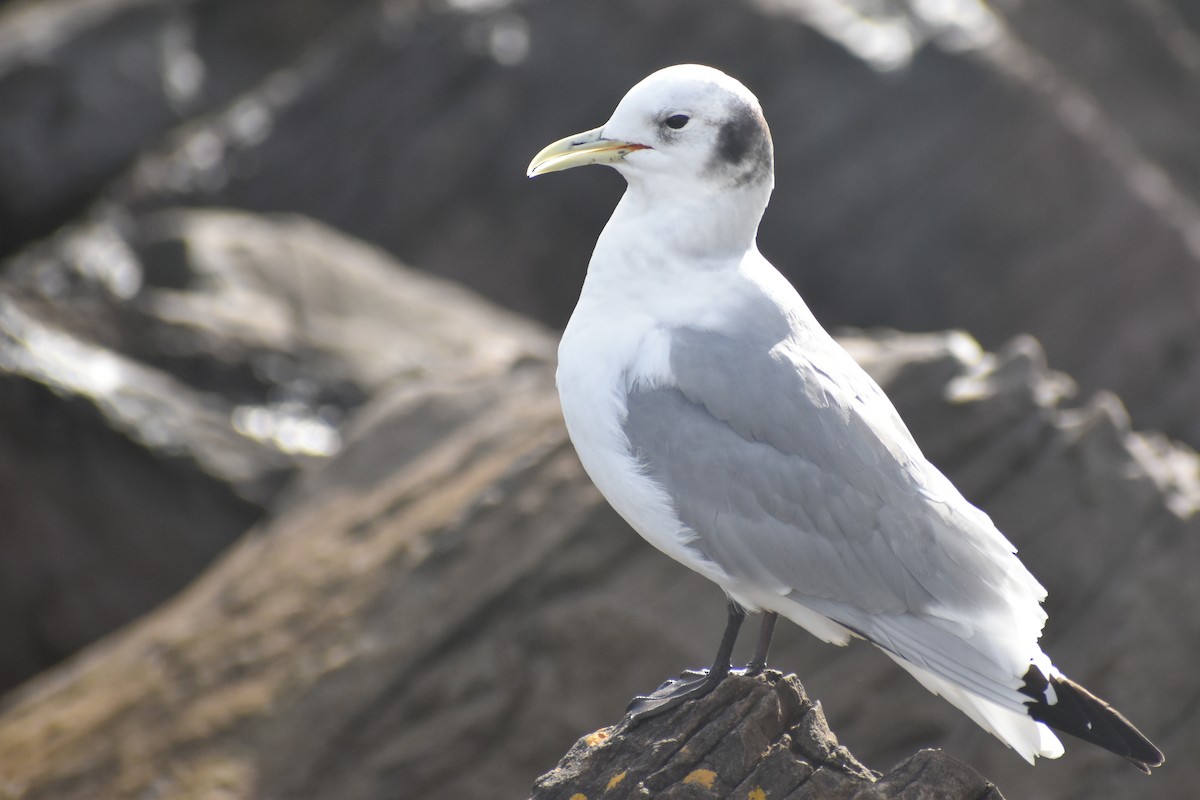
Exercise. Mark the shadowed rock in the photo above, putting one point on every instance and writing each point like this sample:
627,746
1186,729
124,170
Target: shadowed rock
87,86
160,379
1035,173
1007,168
447,603
980,171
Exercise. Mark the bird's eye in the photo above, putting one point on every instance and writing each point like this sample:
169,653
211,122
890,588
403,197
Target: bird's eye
677,121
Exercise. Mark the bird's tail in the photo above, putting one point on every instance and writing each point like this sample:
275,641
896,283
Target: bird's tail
1068,707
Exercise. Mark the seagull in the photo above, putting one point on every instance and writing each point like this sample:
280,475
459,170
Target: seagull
733,433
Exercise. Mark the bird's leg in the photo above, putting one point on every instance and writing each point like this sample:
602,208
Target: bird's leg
758,661
679,690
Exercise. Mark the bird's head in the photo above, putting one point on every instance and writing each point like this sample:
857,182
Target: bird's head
687,127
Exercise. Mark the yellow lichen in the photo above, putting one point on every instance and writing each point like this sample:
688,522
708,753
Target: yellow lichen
756,794
704,777
614,780
593,739
578,796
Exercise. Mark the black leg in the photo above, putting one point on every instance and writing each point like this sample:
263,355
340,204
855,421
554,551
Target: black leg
679,690
733,623
759,661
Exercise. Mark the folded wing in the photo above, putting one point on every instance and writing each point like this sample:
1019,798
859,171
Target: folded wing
798,478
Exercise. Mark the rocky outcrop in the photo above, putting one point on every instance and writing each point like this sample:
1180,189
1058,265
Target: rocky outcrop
1011,168
160,379
446,604
754,738
440,600
87,87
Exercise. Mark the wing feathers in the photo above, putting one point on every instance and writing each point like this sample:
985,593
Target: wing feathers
795,488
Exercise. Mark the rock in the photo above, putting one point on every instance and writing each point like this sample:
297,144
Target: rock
1023,167
1160,38
119,483
162,376
982,171
86,87
446,604
340,621
752,737
1008,171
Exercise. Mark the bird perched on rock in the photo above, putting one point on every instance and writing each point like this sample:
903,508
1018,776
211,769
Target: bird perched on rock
734,434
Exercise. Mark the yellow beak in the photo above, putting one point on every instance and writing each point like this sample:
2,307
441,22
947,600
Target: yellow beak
582,148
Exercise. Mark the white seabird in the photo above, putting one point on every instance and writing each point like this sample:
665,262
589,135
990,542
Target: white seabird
734,434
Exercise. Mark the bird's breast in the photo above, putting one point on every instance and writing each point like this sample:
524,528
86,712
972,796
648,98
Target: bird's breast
601,360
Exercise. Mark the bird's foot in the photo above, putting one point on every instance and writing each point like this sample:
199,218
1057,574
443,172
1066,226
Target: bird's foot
752,670
672,693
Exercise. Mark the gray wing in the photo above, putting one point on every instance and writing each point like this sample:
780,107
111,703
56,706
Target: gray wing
797,475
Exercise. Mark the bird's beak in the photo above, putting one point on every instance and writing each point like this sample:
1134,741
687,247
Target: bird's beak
583,148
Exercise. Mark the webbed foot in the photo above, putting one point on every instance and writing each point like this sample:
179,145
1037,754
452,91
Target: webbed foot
673,693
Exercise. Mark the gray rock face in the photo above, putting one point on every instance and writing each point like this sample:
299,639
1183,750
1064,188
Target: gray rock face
1023,168
984,171
86,87
446,604
161,377
117,484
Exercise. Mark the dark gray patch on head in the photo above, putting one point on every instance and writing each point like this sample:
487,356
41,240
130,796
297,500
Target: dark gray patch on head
743,150
736,138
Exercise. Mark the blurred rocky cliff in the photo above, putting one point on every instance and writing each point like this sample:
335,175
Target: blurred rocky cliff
1026,166
202,204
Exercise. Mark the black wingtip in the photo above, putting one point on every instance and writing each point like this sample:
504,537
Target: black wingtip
1068,707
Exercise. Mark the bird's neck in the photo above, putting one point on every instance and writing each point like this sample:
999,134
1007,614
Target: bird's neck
675,263
704,225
